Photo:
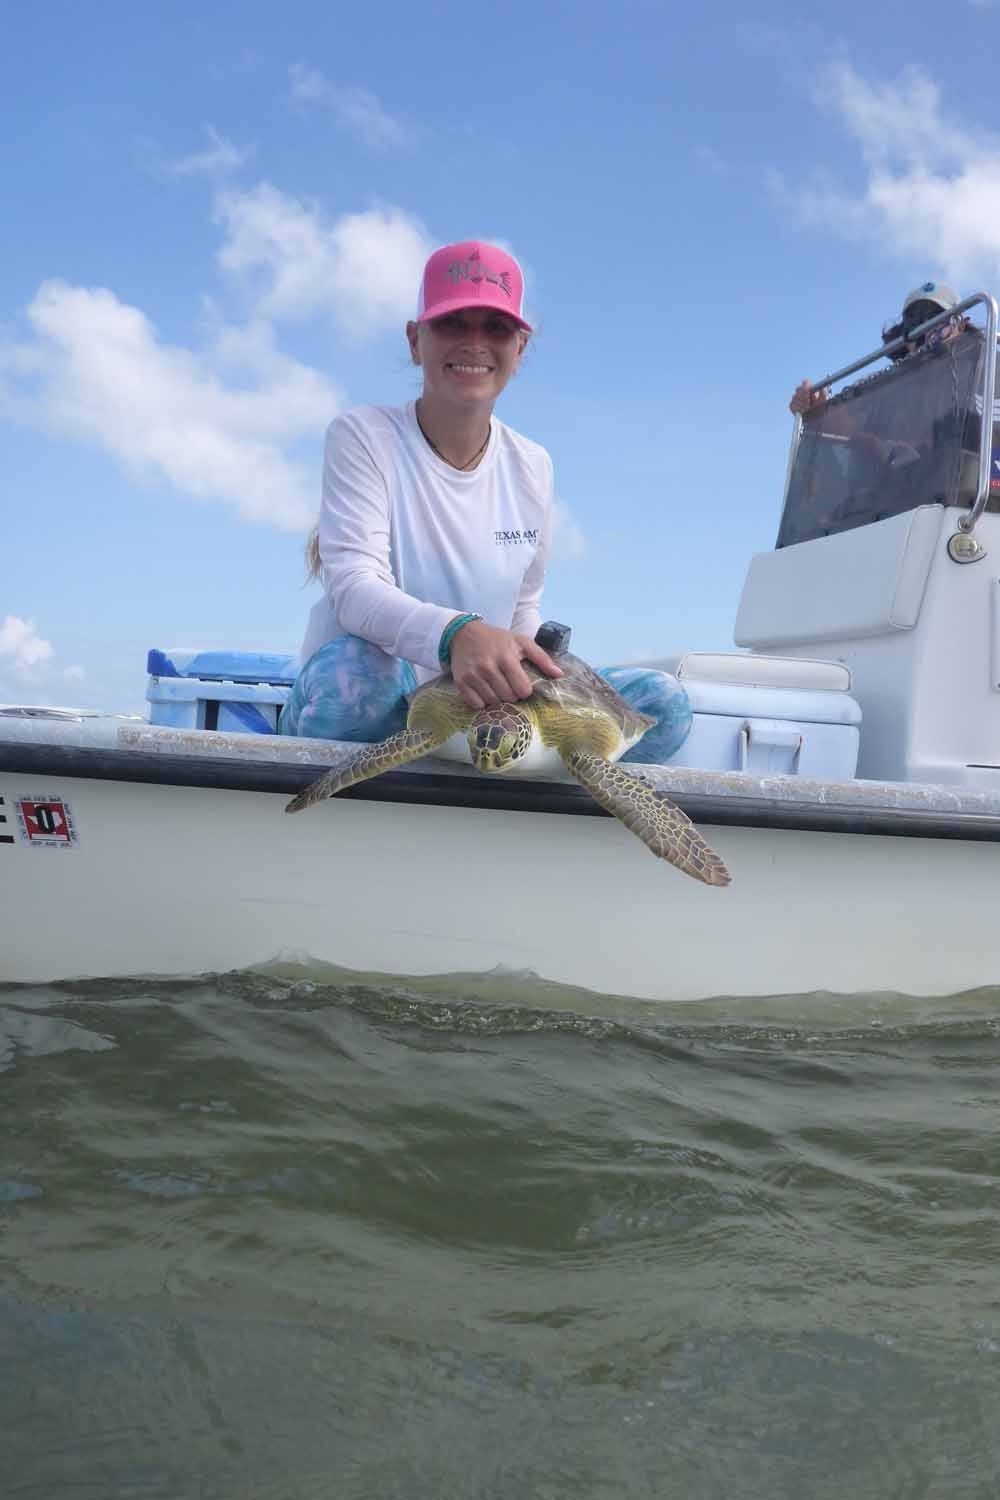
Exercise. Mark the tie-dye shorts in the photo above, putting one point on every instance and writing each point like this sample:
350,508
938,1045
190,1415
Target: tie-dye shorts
352,690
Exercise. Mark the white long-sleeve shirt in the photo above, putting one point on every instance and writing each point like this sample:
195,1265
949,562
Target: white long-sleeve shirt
407,542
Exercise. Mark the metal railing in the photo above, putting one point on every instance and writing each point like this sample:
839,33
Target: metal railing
885,351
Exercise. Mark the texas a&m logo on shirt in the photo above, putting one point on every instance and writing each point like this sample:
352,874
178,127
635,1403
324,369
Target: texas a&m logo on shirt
527,538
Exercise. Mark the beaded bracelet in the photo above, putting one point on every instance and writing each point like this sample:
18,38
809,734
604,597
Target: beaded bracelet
448,635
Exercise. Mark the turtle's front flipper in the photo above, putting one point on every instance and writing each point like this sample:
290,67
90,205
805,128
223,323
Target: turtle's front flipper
397,750
650,815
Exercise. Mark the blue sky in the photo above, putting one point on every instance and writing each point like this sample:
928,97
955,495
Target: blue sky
216,218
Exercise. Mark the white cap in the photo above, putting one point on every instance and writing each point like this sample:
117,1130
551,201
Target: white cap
932,291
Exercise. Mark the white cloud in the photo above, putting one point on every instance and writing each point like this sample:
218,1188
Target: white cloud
357,109
931,184
21,647
569,544
362,269
220,422
214,425
221,156
361,112
308,84
29,672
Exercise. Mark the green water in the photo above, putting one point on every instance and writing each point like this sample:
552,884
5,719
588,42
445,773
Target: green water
281,1236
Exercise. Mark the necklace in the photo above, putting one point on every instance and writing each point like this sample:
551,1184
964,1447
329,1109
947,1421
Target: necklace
435,449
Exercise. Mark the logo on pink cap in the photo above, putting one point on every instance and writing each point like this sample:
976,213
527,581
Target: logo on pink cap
474,270
471,274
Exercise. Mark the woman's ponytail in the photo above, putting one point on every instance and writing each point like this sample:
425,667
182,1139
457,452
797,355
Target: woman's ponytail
314,563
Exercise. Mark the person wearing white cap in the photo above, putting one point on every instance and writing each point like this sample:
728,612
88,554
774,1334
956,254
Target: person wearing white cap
434,530
926,301
923,303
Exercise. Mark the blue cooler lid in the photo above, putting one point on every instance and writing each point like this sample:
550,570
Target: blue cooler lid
223,666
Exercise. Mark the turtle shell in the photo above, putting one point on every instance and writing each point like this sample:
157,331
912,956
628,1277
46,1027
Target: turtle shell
581,688
578,691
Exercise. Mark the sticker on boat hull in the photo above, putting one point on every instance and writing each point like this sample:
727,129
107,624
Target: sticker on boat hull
6,837
46,822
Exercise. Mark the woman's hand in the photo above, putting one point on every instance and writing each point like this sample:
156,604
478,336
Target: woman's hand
486,664
806,398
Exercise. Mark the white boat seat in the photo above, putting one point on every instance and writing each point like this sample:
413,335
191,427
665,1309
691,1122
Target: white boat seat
747,669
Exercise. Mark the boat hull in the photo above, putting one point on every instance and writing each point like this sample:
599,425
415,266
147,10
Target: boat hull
169,879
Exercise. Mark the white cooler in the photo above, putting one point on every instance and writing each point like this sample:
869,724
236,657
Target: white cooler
767,715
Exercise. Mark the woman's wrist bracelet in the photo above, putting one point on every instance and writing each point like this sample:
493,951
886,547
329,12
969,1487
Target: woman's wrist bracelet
448,635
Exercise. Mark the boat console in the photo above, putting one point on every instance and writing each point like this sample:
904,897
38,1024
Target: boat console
882,562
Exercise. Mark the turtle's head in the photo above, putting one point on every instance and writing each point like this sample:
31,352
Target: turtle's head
498,737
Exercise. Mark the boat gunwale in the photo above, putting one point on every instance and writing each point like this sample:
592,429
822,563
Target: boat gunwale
733,807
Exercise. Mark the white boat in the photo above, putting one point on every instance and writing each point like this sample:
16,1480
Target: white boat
845,761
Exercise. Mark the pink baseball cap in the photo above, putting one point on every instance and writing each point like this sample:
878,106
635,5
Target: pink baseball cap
471,274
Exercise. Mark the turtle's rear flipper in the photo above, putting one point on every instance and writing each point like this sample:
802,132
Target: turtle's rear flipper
397,750
650,815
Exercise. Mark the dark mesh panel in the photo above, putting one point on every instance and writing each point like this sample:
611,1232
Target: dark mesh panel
905,437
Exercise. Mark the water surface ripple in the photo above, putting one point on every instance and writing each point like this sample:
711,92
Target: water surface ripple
304,1234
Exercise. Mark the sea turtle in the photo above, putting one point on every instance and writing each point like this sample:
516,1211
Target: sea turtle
577,717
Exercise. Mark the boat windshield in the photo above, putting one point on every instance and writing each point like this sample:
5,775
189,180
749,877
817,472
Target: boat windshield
907,436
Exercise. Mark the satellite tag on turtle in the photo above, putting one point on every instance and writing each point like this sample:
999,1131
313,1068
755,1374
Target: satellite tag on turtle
553,637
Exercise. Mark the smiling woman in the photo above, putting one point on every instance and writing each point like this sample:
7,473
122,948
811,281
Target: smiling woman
434,528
